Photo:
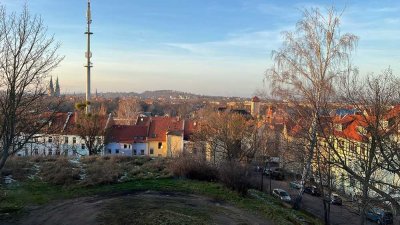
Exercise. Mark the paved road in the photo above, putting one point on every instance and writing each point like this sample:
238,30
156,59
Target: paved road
340,215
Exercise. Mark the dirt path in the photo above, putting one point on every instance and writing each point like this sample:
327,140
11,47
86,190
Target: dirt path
140,208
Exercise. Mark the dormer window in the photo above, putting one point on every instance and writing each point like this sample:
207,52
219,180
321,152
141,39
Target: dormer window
338,127
361,130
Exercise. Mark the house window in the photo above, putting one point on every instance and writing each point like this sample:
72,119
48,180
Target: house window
109,151
134,151
361,130
125,146
74,140
57,151
151,151
50,139
36,151
384,124
116,151
159,145
66,140
50,152
83,146
352,146
142,152
36,140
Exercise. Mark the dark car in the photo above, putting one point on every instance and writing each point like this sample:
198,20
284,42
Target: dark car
334,199
278,174
312,190
380,216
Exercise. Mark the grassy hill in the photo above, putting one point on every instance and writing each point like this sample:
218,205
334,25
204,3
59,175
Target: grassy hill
41,181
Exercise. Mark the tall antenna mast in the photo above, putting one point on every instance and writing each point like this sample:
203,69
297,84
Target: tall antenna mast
88,56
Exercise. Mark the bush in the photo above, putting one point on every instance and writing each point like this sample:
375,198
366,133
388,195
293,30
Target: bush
193,167
101,171
18,167
59,171
235,176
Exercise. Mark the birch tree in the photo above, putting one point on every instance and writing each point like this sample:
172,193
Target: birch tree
305,67
27,56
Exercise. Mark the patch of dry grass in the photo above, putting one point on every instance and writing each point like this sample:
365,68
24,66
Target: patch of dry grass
18,167
87,171
59,171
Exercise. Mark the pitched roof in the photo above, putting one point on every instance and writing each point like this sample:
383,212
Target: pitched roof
159,126
127,133
394,112
143,121
255,99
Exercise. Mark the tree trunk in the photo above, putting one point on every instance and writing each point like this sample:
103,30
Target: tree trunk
364,202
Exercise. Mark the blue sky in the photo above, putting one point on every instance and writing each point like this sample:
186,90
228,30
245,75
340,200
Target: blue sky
215,47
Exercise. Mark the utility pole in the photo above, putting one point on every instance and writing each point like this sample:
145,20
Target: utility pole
88,56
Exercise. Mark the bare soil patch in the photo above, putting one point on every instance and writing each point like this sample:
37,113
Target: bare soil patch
140,208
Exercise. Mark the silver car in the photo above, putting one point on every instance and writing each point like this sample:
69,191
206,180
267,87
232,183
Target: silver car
282,195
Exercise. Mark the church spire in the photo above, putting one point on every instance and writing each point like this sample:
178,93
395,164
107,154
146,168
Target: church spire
57,89
50,90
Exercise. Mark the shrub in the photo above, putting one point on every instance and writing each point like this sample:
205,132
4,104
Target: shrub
18,167
59,171
193,167
235,176
101,171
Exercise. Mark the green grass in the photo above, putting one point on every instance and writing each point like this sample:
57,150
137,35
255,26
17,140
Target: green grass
143,211
37,192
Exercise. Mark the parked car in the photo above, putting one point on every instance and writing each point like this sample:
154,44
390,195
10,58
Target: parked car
295,185
312,190
380,216
334,199
278,174
267,171
282,195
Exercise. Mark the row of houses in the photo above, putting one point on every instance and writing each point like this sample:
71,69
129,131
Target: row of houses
148,136
151,136
348,131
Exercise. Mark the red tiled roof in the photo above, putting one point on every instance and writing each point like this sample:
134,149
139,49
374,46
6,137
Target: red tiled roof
350,131
395,111
159,126
143,121
127,133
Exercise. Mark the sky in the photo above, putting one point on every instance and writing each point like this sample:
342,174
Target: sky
211,47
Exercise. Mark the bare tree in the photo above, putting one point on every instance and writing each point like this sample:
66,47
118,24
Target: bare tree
128,108
310,59
27,56
92,129
370,160
229,137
